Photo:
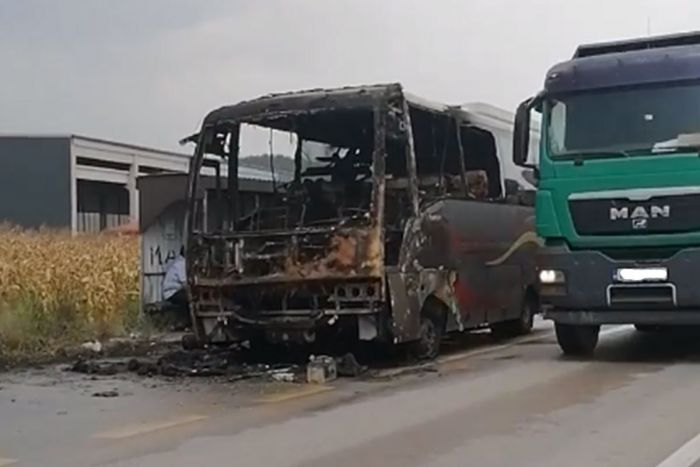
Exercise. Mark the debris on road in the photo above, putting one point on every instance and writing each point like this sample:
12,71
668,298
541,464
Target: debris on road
321,369
97,368
92,346
283,376
106,394
196,363
230,364
348,366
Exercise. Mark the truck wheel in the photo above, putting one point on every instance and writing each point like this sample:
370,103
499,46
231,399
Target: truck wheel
427,347
577,340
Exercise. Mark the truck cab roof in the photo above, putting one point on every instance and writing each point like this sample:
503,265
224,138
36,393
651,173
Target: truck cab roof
649,60
645,43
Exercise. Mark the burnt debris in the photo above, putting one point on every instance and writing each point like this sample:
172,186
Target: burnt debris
196,363
227,364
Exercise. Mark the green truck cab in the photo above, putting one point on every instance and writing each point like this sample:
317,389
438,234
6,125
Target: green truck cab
618,187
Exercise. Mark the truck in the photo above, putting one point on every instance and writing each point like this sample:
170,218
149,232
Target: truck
396,226
618,195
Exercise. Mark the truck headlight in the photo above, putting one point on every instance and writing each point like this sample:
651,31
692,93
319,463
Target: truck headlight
551,276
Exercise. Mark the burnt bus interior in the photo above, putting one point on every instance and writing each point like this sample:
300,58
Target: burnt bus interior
334,170
333,166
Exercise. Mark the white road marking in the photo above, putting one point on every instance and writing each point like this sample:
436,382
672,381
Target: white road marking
143,428
686,456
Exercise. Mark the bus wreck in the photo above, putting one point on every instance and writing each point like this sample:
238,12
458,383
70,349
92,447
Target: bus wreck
394,227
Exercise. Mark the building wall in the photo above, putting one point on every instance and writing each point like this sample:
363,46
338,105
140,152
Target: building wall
35,181
101,205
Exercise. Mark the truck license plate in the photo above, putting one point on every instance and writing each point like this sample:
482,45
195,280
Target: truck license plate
642,275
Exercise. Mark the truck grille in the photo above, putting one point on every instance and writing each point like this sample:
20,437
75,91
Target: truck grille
647,295
620,216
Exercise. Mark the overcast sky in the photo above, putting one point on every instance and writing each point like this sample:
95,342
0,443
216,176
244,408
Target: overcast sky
146,71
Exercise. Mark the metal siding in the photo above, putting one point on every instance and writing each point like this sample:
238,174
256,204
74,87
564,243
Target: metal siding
35,181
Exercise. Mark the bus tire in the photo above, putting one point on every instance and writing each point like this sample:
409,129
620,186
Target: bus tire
432,327
427,347
530,307
520,326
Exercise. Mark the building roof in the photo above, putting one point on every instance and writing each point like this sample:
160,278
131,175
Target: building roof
95,140
244,172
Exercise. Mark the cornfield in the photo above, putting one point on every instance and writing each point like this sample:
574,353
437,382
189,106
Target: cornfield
57,289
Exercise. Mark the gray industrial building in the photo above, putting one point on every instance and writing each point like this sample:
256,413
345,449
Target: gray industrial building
76,182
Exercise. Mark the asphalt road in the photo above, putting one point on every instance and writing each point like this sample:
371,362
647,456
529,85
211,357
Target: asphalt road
492,404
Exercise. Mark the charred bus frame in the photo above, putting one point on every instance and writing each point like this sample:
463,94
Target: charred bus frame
291,272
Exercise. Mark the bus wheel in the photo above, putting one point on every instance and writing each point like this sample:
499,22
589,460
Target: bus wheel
523,325
577,340
427,347
520,326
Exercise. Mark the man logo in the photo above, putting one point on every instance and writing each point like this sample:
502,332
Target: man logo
640,212
639,224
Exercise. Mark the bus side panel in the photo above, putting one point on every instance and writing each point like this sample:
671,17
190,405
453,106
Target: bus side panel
491,246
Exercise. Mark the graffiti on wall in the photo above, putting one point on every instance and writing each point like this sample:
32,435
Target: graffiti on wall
159,256
162,241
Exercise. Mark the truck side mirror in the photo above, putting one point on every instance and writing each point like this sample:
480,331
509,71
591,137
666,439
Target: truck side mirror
521,133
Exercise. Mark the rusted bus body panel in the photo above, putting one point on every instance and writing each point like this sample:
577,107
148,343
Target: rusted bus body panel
288,256
474,257
288,280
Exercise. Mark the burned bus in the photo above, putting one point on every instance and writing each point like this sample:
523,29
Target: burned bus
394,225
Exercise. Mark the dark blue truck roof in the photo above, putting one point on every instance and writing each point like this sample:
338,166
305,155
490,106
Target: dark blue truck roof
656,42
631,62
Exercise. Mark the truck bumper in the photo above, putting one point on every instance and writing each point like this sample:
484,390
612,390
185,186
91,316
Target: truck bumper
591,293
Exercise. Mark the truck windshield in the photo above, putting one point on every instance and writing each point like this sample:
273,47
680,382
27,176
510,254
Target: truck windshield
638,120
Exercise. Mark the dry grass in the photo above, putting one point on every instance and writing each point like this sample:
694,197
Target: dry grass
57,289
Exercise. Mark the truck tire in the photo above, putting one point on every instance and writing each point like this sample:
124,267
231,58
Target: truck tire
577,340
